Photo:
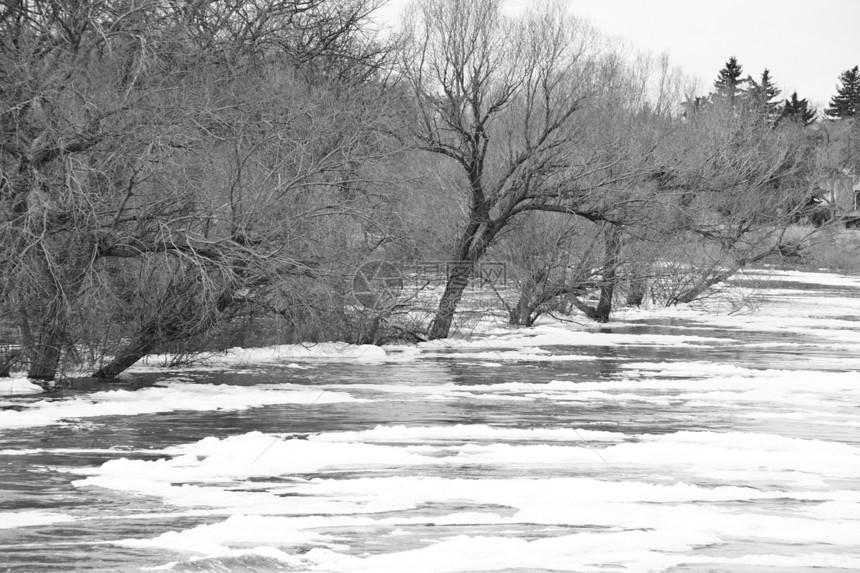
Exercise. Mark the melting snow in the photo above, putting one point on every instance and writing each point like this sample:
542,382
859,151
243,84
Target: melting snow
632,451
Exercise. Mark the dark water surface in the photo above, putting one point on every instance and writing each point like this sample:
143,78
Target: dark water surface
766,402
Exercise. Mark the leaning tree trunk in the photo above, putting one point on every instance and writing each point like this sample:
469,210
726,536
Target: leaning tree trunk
456,285
473,245
700,286
181,318
127,357
182,313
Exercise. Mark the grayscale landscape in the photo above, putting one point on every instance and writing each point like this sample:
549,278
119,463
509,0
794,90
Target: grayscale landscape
444,286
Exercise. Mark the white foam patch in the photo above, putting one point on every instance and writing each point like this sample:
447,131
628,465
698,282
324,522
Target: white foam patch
237,457
255,454
468,432
15,519
286,354
659,524
214,539
564,335
627,550
705,377
809,560
18,385
534,355
172,397
830,330
75,451
739,456
671,511
807,277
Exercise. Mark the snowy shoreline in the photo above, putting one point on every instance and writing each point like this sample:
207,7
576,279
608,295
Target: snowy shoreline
490,335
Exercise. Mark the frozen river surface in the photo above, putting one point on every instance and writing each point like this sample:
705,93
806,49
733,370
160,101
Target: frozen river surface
675,441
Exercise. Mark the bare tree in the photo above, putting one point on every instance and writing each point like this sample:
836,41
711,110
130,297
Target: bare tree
733,185
629,113
176,137
693,198
509,102
552,259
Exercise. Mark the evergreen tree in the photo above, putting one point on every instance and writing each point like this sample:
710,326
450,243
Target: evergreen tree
846,103
728,82
798,110
762,93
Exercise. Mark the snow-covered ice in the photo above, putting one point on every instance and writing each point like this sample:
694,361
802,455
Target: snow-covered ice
669,440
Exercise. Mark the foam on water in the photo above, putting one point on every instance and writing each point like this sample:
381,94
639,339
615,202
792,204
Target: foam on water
636,496
173,396
285,354
470,433
14,519
562,335
711,464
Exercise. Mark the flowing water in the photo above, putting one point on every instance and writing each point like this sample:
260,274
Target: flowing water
675,440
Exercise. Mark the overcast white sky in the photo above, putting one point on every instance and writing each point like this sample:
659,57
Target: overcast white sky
806,44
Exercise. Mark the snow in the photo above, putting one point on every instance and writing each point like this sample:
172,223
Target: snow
15,519
466,433
558,447
173,396
18,385
287,354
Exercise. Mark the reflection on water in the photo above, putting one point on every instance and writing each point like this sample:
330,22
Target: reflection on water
733,449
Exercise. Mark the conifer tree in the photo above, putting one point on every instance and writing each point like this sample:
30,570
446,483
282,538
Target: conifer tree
796,109
846,103
762,94
728,82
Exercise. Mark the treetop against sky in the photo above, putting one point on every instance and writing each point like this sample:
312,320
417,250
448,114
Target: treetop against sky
804,46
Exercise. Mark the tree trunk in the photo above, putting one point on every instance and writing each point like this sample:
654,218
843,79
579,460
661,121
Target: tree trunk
472,247
610,267
45,355
702,285
180,316
533,295
454,288
519,315
127,357
8,357
584,308
159,329
638,289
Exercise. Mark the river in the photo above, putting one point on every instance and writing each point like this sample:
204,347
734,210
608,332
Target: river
676,440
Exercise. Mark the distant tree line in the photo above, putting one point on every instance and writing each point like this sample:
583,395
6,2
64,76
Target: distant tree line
763,94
